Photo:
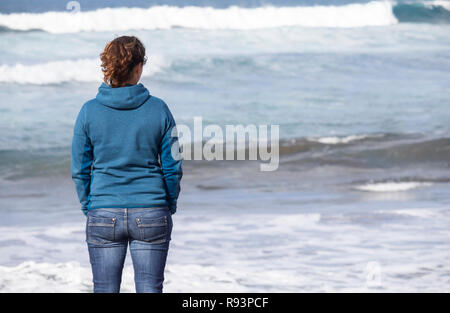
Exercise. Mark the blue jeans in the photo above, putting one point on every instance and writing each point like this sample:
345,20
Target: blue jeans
108,231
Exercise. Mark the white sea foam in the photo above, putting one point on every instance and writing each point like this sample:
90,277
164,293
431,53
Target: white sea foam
421,213
376,13
222,252
438,3
72,277
391,186
55,72
31,276
333,140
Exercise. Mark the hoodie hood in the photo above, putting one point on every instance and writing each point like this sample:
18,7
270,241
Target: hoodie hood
122,98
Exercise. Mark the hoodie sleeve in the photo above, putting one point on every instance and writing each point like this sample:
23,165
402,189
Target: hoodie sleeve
81,160
171,159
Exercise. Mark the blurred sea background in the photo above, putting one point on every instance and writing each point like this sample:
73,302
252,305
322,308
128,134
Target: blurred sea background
361,91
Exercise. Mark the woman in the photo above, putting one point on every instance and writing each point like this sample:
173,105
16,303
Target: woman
126,167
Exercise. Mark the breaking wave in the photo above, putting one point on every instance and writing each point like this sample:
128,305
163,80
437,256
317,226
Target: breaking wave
391,186
56,72
432,12
375,13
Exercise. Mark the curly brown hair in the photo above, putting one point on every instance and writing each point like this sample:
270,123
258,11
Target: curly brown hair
119,58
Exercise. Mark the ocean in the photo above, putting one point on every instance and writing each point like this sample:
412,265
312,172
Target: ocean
360,91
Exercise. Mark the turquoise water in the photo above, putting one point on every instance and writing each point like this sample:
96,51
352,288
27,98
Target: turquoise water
360,92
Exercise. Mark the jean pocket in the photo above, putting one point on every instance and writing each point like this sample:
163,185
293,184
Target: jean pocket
100,229
153,229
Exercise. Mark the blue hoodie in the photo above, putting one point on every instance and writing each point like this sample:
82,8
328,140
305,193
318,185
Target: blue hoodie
122,151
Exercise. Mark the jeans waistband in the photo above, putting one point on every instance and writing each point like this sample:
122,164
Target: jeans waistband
132,209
